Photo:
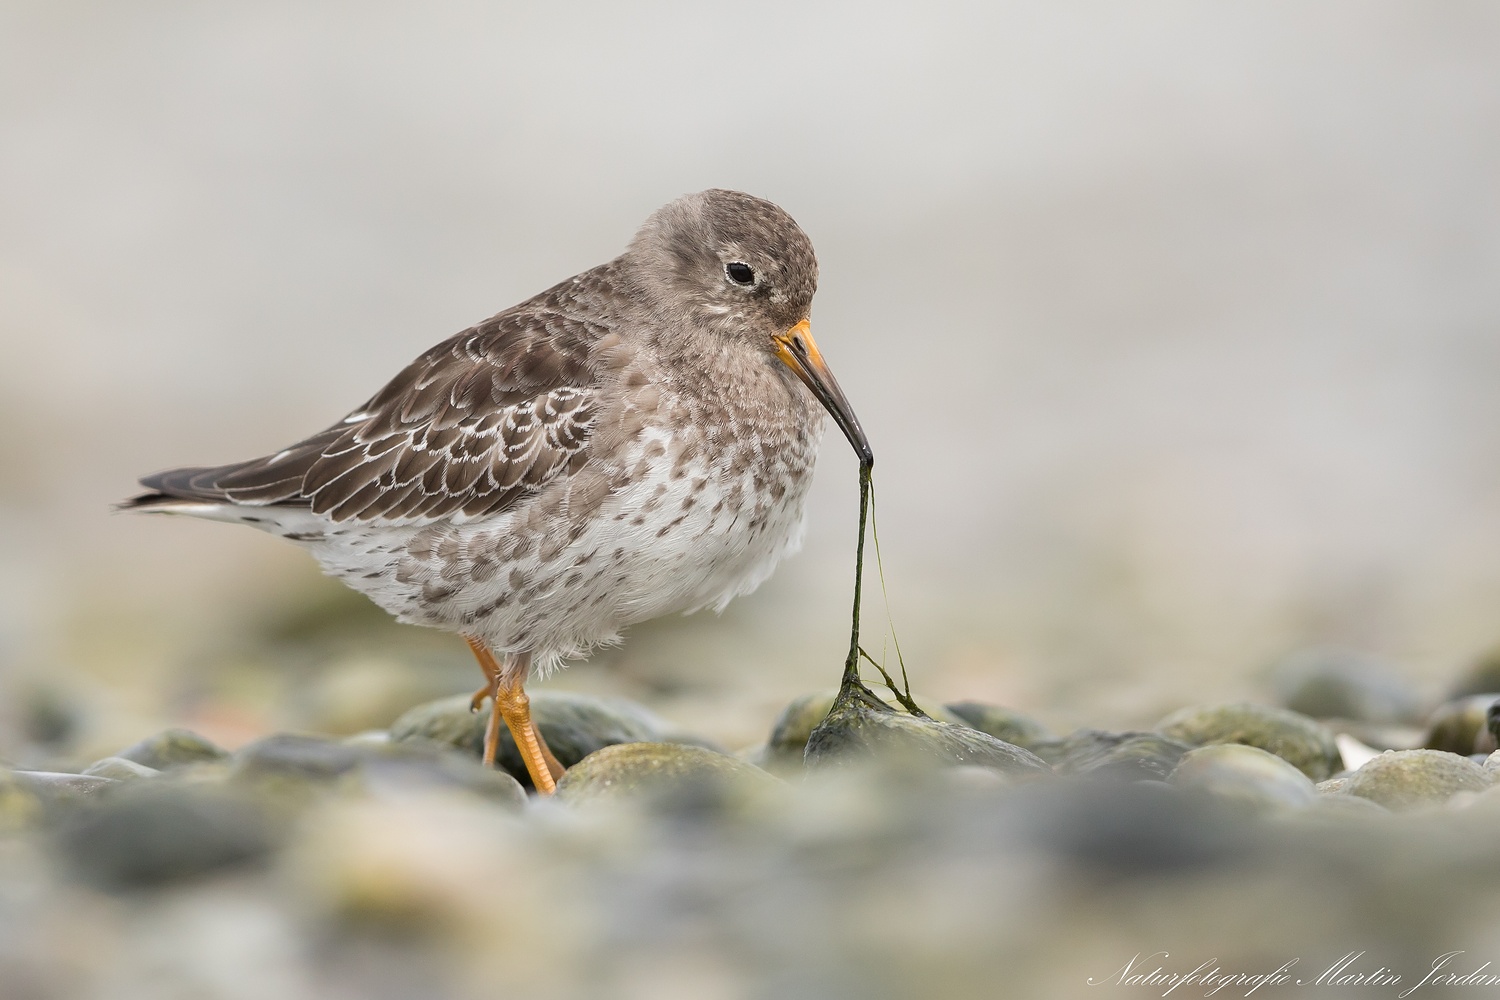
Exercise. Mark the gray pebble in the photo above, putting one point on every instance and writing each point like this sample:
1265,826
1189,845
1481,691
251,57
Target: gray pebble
1128,755
1006,724
60,786
293,765
150,833
1339,808
1245,774
120,769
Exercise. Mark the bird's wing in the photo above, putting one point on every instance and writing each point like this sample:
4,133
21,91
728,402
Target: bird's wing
471,427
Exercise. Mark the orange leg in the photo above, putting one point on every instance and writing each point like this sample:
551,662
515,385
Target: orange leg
505,684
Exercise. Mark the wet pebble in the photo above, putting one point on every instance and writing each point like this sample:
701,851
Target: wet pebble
173,748
1245,774
59,786
1409,779
1128,755
1006,724
1302,742
120,769
1334,683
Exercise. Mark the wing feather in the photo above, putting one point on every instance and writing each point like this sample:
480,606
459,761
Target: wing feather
471,427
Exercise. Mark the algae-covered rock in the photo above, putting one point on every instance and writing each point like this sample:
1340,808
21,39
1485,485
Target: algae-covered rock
1245,774
574,726
1302,742
1005,724
630,770
859,725
173,748
785,750
1409,779
1128,755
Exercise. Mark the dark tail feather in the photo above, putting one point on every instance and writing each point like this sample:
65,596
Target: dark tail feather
276,479
177,487
251,484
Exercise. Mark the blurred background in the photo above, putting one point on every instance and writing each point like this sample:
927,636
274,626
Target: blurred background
1175,327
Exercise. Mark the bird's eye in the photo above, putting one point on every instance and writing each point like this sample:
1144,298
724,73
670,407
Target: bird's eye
740,273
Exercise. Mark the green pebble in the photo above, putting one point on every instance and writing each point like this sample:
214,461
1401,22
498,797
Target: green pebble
1409,779
652,770
1302,742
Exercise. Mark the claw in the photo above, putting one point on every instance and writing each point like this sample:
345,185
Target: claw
477,702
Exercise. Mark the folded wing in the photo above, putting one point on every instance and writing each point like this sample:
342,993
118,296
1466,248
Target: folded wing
469,428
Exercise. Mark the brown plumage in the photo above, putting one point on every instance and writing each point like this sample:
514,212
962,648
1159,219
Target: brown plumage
631,442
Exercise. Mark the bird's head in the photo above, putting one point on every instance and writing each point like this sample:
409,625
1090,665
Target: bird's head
737,267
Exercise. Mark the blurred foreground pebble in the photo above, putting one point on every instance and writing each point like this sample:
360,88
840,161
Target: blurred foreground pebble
887,856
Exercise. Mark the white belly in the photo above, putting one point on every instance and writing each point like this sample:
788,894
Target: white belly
675,540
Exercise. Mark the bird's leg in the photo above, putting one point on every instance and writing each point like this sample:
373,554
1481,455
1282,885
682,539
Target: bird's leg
491,689
506,686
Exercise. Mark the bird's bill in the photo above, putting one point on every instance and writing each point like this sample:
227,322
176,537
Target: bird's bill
798,351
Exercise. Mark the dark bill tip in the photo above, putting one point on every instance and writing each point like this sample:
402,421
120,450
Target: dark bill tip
800,353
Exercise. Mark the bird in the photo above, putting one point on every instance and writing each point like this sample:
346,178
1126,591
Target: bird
635,441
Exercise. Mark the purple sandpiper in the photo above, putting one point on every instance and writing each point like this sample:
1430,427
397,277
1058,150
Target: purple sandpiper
635,441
